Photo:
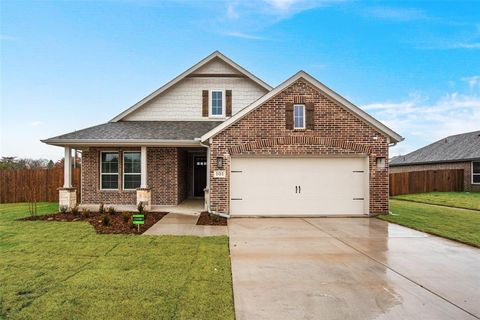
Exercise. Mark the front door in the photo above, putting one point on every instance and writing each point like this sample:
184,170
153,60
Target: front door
199,175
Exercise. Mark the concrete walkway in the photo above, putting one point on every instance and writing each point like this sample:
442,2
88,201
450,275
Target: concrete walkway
363,268
184,225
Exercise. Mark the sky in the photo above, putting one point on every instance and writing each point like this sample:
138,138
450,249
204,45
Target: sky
67,65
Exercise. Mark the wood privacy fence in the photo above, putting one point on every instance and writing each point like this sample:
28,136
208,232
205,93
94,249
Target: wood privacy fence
39,184
426,181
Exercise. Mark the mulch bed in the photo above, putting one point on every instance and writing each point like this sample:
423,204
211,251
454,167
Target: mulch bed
206,220
116,225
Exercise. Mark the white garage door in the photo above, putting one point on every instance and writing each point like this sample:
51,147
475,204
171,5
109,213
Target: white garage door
298,186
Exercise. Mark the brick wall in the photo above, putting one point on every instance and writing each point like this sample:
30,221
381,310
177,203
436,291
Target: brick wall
466,166
164,176
336,132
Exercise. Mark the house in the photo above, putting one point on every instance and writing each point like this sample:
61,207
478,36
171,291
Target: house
461,151
219,133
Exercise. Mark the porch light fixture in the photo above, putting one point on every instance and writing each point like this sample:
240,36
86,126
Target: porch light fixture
219,162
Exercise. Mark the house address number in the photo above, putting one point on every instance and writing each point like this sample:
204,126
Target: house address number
219,174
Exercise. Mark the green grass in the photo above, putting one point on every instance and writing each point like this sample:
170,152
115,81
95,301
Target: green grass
456,224
64,270
467,200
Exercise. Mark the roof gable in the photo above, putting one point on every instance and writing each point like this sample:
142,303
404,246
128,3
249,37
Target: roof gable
214,63
394,137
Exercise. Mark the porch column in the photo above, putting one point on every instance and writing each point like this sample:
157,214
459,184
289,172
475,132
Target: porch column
67,196
144,194
67,168
143,161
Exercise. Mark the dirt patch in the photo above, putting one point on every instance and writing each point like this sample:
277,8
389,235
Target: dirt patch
116,222
206,219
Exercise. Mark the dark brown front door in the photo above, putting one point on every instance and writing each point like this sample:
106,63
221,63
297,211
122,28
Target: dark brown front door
199,176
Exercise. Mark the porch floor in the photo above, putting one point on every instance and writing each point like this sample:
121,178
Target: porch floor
188,206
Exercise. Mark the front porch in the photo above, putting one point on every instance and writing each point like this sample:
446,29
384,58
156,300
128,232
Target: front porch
164,179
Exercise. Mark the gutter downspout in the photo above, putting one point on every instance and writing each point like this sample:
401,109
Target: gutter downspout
208,171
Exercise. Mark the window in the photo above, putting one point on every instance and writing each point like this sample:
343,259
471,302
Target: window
131,170
109,171
299,116
217,103
476,172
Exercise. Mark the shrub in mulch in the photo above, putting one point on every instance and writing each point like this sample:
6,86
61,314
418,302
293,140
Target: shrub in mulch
208,219
103,222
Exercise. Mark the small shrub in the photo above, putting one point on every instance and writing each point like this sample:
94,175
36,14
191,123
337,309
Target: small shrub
215,217
75,210
126,216
63,209
101,209
111,210
105,220
85,213
140,207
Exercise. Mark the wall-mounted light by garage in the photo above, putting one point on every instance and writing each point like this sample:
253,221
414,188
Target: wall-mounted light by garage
381,162
219,162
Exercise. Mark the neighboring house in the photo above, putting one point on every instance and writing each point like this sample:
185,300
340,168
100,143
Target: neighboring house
220,133
461,151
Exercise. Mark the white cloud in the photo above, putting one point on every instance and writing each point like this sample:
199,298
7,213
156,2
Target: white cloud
232,12
36,123
243,35
6,38
422,120
397,14
473,82
465,45
280,9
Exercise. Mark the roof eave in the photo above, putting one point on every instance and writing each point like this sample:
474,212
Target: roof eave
121,142
432,162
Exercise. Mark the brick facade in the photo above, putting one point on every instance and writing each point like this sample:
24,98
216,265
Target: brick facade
165,176
336,132
466,166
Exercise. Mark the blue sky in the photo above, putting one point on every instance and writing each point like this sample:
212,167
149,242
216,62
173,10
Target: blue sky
69,65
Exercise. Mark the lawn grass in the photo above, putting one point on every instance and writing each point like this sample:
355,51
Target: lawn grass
467,200
456,224
64,270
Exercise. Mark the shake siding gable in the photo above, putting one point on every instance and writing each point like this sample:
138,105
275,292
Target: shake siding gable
184,100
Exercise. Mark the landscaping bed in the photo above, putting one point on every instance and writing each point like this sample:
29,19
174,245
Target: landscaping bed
207,219
117,222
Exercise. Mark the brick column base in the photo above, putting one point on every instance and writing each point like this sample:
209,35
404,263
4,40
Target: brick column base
144,195
67,197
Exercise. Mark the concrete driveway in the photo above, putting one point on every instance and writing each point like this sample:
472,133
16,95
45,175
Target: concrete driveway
329,268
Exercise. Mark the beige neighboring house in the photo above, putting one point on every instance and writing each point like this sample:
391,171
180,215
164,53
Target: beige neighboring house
219,133
460,151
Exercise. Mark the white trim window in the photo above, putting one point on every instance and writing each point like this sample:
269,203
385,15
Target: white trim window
109,170
299,116
132,170
217,103
475,172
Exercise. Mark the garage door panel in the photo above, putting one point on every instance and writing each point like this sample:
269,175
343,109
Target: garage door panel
326,186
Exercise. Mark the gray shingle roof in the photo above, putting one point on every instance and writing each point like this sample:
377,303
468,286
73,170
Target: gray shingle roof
455,148
139,130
